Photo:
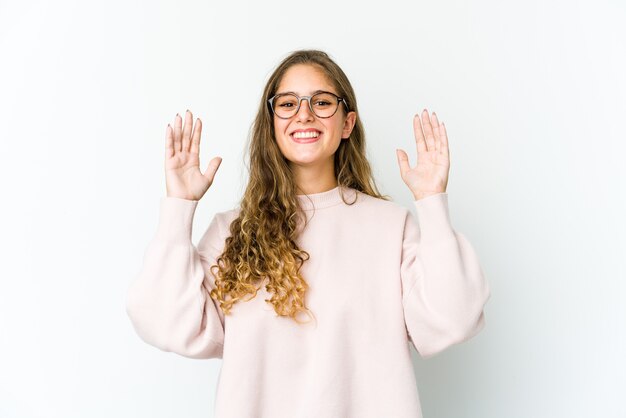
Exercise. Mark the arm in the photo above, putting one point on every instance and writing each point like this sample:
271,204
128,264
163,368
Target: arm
444,290
168,303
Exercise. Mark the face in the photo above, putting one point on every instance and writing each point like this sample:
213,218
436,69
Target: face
304,80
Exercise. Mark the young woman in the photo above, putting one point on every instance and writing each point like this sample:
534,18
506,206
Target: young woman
312,239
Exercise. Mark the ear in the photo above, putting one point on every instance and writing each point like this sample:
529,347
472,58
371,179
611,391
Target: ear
348,125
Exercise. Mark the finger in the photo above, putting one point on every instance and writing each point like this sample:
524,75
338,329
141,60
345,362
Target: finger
428,131
177,132
195,137
436,132
169,142
187,130
212,169
419,135
444,140
403,162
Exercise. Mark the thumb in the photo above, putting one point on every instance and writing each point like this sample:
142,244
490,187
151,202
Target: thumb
212,168
403,161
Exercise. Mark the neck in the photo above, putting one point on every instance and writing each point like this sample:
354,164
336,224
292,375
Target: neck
314,179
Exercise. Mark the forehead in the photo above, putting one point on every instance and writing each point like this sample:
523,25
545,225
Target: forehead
304,79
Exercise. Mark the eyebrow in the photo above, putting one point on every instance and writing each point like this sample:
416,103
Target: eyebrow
312,93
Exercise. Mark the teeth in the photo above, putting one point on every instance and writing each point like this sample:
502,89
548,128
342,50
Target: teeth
311,134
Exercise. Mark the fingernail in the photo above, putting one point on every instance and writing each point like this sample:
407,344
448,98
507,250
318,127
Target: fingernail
187,110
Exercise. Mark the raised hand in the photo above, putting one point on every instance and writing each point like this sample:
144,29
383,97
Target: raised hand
183,178
430,176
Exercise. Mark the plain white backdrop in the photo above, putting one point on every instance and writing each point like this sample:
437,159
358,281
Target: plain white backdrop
533,96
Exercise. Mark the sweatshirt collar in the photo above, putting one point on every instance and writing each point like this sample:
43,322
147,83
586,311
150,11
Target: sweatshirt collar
326,199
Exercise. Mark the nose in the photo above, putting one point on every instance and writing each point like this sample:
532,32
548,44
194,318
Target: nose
304,113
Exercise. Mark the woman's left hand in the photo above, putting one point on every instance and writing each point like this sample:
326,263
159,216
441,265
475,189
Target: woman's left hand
430,175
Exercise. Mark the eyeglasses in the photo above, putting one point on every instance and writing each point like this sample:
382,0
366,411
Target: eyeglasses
323,104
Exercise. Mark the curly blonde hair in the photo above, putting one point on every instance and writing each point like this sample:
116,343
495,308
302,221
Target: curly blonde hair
262,244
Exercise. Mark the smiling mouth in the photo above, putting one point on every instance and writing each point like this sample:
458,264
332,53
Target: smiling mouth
305,135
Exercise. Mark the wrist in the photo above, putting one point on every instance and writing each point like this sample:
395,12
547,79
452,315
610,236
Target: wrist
419,196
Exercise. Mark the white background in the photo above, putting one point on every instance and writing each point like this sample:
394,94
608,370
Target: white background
533,96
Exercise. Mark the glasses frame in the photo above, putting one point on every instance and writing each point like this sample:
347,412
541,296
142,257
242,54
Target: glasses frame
308,99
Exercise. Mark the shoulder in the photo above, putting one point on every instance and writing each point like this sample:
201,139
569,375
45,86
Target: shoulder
227,216
381,206
222,220
218,229
380,213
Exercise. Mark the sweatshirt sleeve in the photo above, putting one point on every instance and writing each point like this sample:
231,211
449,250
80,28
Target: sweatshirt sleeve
168,302
444,290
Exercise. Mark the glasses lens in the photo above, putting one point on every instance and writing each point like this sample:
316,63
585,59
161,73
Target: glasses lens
324,104
285,105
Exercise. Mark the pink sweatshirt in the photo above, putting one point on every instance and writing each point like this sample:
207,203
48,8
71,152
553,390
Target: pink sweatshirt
380,279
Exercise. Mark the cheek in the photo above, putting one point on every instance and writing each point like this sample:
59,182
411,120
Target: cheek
279,127
335,128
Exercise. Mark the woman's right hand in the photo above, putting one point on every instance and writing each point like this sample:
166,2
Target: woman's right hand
183,178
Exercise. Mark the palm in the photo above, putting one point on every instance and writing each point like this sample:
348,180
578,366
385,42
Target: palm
182,162
183,173
430,175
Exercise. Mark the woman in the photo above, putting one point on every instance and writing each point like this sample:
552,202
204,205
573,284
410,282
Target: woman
312,236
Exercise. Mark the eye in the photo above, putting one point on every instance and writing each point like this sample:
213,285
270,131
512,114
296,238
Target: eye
324,100
286,102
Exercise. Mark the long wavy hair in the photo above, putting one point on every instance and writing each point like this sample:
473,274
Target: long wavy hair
262,245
